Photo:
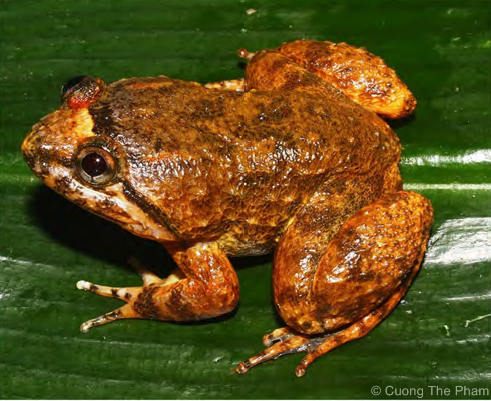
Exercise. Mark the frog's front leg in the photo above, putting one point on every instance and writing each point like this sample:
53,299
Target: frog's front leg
331,289
205,286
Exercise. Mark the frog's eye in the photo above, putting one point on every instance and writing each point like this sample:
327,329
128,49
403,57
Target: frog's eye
96,166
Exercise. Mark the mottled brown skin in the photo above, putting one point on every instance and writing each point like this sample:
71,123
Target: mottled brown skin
362,76
282,160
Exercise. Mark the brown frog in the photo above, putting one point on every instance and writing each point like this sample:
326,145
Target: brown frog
292,158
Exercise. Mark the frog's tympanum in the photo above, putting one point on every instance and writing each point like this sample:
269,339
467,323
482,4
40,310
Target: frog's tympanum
296,158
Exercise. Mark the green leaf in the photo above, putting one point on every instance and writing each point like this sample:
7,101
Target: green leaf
438,336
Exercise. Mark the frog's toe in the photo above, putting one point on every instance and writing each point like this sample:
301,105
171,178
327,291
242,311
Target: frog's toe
278,335
285,342
124,312
291,345
125,294
150,278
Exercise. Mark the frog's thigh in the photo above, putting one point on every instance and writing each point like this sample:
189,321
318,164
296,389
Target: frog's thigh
231,84
375,252
360,75
205,286
348,281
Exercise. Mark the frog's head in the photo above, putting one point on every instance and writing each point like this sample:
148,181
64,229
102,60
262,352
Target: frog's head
87,168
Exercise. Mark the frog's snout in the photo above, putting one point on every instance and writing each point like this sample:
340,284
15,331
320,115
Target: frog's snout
28,147
53,142
34,147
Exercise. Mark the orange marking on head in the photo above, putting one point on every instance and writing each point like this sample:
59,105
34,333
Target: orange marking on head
84,100
77,103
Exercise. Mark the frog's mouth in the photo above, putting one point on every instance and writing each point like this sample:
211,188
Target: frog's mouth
109,202
112,204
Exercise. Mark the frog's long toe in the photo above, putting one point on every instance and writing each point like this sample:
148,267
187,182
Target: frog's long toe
124,312
278,335
291,345
316,346
125,294
285,342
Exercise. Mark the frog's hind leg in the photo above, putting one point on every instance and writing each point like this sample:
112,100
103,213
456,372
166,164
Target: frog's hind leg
284,341
335,280
357,73
354,331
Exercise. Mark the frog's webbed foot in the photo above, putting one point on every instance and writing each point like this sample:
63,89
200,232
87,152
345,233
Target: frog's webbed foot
286,341
289,343
352,283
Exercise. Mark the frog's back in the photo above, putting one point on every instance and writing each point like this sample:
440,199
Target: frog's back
236,167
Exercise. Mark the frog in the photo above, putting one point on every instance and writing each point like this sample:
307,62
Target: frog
297,158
